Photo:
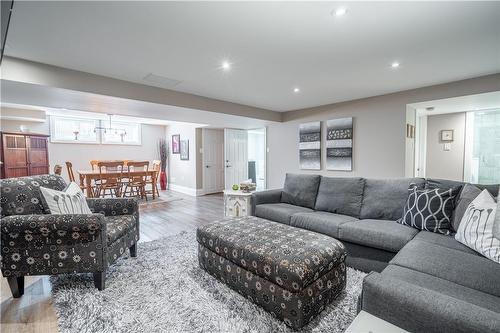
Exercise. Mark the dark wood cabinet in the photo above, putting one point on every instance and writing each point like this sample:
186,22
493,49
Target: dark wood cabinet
24,154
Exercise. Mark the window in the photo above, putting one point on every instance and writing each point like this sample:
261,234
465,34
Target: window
73,130
81,130
132,136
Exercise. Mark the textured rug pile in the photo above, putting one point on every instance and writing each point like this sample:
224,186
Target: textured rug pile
164,290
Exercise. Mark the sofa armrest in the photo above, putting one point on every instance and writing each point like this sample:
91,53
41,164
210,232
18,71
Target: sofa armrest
52,244
418,309
263,197
114,206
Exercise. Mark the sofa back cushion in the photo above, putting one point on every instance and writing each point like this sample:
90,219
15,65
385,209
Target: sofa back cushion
300,190
340,195
384,199
22,196
467,195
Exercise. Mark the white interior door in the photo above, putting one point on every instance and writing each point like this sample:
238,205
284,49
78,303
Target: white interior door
213,160
235,156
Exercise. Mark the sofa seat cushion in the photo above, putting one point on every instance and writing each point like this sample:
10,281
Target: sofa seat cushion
468,270
117,226
279,212
300,190
380,234
322,222
445,287
384,199
340,195
443,240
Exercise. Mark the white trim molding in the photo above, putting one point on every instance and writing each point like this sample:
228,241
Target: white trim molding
186,190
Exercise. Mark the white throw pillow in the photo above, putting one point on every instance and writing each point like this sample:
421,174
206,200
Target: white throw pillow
70,201
477,225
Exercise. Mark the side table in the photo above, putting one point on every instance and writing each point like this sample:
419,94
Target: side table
237,203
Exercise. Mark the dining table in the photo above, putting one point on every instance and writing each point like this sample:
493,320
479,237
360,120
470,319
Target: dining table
86,177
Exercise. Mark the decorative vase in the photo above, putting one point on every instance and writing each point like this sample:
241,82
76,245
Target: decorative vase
163,180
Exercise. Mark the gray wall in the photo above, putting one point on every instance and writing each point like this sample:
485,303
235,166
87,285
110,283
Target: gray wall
379,145
183,174
441,163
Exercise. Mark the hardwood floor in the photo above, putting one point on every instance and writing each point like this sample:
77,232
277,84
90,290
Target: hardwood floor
33,312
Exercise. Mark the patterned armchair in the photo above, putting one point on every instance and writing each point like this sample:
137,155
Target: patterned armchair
34,242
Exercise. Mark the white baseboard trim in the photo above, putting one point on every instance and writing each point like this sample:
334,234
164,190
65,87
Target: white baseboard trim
184,189
195,192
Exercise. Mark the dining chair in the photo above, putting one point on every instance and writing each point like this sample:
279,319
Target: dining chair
149,179
110,175
93,165
136,185
71,176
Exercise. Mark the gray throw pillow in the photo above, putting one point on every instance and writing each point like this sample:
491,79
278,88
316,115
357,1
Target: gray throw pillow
300,190
468,194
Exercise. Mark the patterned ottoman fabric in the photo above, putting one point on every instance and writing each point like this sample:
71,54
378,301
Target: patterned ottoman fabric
290,272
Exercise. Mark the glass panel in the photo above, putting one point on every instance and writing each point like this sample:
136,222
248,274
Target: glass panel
485,159
132,136
73,129
257,157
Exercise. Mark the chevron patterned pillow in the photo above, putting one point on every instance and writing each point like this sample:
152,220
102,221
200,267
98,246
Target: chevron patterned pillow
429,209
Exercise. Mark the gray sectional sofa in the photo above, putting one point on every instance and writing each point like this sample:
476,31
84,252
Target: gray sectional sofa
419,280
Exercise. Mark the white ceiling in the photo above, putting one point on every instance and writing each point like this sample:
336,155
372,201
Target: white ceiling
477,102
273,46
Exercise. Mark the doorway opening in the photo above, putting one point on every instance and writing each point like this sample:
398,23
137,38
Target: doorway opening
232,156
455,138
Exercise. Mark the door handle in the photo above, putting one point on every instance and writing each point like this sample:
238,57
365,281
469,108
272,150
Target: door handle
207,166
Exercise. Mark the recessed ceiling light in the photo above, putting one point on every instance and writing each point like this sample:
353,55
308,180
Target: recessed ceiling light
395,64
296,90
226,65
340,11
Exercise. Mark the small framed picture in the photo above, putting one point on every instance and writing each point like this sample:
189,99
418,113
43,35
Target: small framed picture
185,150
176,148
447,135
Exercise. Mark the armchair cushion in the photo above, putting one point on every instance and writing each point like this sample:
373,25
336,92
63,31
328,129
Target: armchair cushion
117,226
114,206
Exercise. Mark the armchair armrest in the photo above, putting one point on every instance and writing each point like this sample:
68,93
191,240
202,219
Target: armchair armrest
50,224
114,206
52,244
263,197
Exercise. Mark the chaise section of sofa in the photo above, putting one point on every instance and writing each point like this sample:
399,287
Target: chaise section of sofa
419,302
435,284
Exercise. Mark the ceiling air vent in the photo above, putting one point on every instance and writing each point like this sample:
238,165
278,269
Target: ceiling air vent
161,81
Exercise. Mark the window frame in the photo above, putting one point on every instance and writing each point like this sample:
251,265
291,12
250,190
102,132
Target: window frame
53,138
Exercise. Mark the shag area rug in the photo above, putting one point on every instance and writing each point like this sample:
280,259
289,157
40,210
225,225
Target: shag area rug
164,290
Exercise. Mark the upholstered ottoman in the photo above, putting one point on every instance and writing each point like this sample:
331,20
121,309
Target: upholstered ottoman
292,273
